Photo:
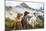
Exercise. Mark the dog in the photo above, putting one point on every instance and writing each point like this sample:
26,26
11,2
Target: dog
17,24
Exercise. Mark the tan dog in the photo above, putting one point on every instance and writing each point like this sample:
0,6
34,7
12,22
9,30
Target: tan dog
18,19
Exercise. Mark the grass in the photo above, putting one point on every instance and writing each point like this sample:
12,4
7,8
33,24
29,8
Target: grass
9,23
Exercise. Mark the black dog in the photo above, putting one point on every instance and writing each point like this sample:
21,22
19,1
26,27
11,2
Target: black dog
24,20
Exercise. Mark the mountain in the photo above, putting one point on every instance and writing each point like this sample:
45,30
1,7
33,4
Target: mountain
24,5
11,11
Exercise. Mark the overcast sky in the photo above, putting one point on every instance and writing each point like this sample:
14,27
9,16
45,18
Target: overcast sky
30,4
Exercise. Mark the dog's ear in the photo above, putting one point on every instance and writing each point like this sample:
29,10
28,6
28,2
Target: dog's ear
26,12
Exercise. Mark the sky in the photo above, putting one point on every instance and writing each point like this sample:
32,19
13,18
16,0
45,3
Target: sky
30,4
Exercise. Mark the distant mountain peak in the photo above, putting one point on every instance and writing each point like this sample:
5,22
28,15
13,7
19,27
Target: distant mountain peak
25,5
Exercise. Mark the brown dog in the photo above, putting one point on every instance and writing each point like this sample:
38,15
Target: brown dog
18,19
